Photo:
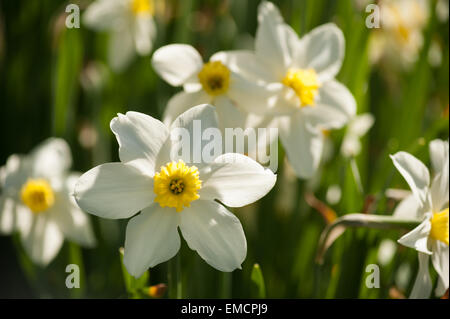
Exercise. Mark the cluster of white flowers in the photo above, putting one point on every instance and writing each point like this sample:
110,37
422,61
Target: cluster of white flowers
286,82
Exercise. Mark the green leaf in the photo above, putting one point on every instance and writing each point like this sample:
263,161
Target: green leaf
337,228
258,287
133,285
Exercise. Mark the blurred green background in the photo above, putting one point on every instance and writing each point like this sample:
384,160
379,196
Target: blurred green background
56,82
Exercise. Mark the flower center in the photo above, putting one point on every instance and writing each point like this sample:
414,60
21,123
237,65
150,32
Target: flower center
439,226
38,195
215,78
176,185
304,83
142,6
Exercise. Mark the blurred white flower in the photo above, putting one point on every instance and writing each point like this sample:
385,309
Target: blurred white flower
212,82
357,128
171,194
430,203
130,24
386,251
400,37
300,75
37,201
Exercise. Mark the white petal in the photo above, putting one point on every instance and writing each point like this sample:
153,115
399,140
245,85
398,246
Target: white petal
7,215
440,259
44,240
439,155
151,238
192,122
228,114
418,237
335,106
246,64
275,41
175,63
415,173
15,173
114,190
140,137
236,180
303,144
422,285
75,225
104,14
181,102
144,33
249,96
215,233
51,158
439,191
323,50
408,208
361,124
121,48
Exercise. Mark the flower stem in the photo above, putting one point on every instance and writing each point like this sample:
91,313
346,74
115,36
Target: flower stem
225,291
174,278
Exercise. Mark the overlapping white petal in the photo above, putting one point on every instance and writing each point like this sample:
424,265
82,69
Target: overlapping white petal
418,237
440,260
144,33
43,240
323,50
140,137
181,102
52,158
151,238
215,233
415,173
114,190
176,63
422,285
236,180
303,144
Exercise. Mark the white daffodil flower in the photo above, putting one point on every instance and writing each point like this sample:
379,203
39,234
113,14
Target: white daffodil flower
36,201
400,37
131,26
207,83
171,193
430,203
357,128
300,72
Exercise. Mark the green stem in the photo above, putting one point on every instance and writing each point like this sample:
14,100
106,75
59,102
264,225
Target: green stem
174,278
337,228
226,284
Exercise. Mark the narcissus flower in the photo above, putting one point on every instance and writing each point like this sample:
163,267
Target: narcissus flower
429,201
212,82
131,26
357,128
36,201
300,73
171,193
400,37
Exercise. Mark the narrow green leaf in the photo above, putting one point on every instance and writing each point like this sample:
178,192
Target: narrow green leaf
258,287
133,285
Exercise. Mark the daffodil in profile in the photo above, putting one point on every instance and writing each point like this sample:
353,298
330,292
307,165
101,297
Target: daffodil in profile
428,202
130,25
211,82
163,192
36,201
300,73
